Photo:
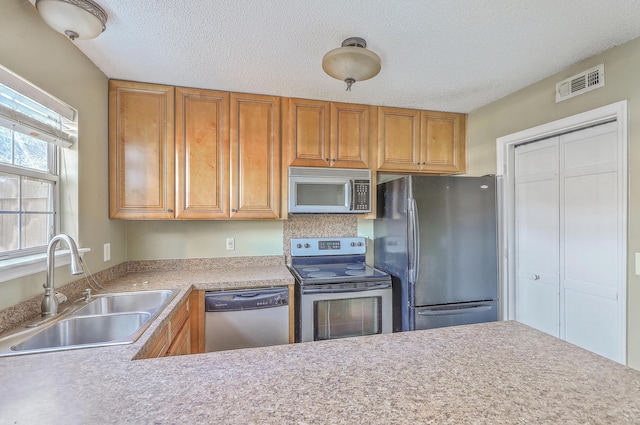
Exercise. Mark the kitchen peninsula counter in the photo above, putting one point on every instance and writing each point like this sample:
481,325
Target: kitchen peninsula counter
492,373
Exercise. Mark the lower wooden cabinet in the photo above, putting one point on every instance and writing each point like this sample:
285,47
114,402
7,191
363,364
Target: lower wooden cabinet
174,338
159,346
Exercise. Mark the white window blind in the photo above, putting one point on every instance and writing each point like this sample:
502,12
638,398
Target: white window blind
27,109
34,128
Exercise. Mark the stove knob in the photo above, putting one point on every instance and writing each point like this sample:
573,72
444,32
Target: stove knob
299,246
360,243
353,244
307,245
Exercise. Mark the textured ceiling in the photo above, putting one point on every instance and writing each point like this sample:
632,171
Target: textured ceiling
448,55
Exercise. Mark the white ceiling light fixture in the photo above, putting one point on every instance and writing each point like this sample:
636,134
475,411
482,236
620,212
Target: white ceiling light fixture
77,19
352,62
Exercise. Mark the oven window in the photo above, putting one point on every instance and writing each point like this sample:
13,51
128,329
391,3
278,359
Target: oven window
348,317
309,194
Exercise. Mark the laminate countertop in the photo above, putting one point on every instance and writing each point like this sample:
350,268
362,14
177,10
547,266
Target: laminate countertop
491,373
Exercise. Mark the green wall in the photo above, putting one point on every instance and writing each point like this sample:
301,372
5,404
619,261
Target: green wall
155,240
535,105
49,60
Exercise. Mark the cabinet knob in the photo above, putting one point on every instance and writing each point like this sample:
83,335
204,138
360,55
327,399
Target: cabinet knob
234,210
536,277
169,210
334,160
327,159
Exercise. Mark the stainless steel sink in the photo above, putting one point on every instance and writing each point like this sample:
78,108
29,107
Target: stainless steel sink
86,331
148,301
107,319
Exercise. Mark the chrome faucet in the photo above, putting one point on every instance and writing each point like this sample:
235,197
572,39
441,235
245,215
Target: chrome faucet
50,302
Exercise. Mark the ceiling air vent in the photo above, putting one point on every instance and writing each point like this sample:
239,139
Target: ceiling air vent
581,83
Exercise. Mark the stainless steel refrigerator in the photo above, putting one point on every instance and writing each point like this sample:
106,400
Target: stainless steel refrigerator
437,237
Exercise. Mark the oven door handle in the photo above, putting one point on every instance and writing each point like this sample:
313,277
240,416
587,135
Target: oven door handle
306,291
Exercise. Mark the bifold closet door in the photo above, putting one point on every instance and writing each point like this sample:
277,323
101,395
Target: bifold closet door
568,238
590,254
537,235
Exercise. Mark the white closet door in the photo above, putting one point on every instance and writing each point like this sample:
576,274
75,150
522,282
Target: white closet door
570,239
537,234
589,242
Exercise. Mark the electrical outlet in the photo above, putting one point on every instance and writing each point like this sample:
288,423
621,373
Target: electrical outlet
107,252
231,244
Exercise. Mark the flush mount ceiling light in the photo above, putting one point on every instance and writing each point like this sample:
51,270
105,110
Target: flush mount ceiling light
352,62
77,19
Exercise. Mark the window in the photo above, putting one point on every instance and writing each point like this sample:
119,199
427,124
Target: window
34,126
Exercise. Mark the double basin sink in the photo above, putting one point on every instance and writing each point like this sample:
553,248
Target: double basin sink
108,319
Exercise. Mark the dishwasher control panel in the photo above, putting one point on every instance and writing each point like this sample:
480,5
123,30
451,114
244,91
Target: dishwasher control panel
246,299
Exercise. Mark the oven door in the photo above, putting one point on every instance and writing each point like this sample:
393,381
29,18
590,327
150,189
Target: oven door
327,312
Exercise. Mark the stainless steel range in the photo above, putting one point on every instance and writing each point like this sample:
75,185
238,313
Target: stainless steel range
337,294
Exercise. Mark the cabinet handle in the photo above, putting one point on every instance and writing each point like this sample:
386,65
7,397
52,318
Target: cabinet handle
536,277
169,210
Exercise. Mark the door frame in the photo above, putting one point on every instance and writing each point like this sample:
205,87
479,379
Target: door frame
505,150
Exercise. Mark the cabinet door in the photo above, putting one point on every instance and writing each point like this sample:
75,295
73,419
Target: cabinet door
308,133
442,137
398,143
349,135
159,346
141,147
255,156
202,154
180,332
181,344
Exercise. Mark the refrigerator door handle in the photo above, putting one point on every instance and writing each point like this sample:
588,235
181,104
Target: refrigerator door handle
414,243
440,311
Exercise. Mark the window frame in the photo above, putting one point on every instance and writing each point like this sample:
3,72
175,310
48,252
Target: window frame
53,152
20,99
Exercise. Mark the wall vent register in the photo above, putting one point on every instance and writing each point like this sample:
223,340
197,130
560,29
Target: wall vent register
584,82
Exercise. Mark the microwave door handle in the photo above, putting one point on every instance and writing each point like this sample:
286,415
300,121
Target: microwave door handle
350,194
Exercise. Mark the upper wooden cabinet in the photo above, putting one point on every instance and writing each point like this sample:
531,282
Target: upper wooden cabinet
225,162
327,134
308,130
183,153
255,156
421,141
141,150
202,154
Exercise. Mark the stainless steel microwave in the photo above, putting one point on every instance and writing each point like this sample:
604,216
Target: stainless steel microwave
329,190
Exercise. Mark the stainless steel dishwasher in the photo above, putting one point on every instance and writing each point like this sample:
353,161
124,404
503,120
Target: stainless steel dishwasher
246,318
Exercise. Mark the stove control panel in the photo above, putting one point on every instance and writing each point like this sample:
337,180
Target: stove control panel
311,247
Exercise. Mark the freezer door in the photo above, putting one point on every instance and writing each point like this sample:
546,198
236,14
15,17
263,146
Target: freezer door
458,239
456,314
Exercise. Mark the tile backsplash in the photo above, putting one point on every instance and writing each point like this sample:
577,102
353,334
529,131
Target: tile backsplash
317,226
